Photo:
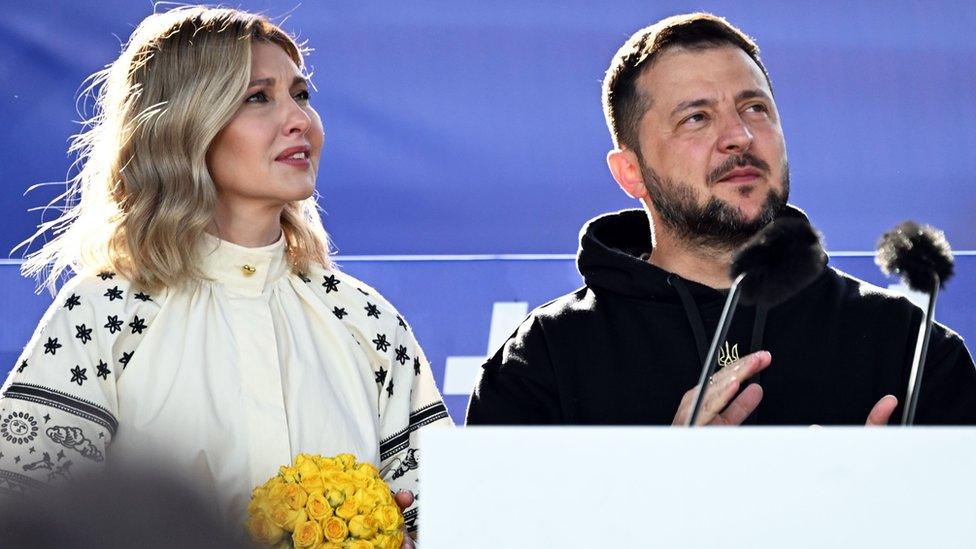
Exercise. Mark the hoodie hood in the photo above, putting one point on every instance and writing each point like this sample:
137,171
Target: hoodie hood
609,257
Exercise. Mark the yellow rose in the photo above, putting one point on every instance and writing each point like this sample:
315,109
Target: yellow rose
347,460
332,545
388,541
335,476
307,534
347,510
288,474
312,482
262,530
360,544
318,507
324,462
388,518
362,526
369,469
380,494
335,529
335,497
286,517
295,496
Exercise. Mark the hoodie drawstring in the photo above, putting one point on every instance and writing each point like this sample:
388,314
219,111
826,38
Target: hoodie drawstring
694,317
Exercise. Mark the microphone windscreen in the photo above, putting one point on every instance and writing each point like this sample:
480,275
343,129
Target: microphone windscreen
916,252
780,260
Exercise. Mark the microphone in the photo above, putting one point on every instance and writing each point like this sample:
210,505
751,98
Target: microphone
776,263
921,255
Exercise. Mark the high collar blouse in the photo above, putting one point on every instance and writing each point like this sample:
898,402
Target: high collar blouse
224,379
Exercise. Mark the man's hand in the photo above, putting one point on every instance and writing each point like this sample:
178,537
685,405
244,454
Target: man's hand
404,499
716,408
882,411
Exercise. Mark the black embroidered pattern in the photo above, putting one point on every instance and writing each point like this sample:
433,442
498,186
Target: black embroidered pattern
389,388
371,310
72,302
142,297
103,370
362,291
83,333
113,293
401,322
16,484
106,275
19,428
137,324
331,284
381,343
304,278
408,463
401,355
380,376
64,402
113,324
78,375
126,357
22,367
416,366
339,312
74,438
52,346
400,441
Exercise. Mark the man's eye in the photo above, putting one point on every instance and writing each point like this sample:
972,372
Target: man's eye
302,95
258,97
758,107
694,119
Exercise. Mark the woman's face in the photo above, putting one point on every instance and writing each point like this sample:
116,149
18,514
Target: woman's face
268,154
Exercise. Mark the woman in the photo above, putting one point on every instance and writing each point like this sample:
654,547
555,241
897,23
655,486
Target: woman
206,327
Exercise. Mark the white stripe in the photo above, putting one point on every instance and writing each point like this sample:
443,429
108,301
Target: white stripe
509,257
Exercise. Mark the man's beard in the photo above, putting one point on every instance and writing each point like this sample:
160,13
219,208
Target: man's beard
717,224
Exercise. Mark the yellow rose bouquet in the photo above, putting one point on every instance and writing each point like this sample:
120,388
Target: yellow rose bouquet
325,502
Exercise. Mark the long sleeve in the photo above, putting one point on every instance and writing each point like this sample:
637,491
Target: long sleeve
948,393
517,385
407,396
59,407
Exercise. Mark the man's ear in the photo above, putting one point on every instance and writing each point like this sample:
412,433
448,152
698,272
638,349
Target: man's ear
626,172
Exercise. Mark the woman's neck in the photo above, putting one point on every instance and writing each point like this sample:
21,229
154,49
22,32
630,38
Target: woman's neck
251,227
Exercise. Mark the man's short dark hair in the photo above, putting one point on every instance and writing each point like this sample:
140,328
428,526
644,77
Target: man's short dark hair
623,104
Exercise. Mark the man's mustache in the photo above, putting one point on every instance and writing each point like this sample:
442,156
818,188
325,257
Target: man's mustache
737,161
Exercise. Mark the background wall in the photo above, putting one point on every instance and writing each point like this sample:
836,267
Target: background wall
475,128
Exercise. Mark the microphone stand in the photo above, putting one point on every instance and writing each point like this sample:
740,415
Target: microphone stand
918,362
711,359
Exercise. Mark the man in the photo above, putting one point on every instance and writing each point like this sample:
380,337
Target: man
699,143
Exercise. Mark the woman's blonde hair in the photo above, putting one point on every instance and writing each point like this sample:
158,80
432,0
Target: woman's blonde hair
144,195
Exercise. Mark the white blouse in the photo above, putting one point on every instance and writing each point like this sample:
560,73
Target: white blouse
224,380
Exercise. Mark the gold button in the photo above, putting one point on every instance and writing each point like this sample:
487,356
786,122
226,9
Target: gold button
248,270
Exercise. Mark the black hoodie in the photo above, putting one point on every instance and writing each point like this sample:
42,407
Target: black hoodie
624,348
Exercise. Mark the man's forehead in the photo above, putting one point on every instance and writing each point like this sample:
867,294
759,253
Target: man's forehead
679,73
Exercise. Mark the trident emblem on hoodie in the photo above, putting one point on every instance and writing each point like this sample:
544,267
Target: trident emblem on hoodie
726,355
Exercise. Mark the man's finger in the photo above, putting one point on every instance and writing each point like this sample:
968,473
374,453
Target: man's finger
719,393
882,411
743,405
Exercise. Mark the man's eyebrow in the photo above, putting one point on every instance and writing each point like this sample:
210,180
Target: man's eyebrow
685,105
270,81
752,94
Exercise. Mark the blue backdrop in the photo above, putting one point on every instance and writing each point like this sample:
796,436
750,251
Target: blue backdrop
476,128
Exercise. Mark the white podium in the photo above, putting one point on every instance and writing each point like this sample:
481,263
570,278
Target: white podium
549,487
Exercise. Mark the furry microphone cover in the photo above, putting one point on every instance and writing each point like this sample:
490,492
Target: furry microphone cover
917,253
783,258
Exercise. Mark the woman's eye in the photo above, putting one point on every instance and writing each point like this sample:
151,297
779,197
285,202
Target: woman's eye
258,97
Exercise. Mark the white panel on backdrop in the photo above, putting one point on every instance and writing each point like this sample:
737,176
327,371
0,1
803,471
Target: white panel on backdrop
460,372
490,487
